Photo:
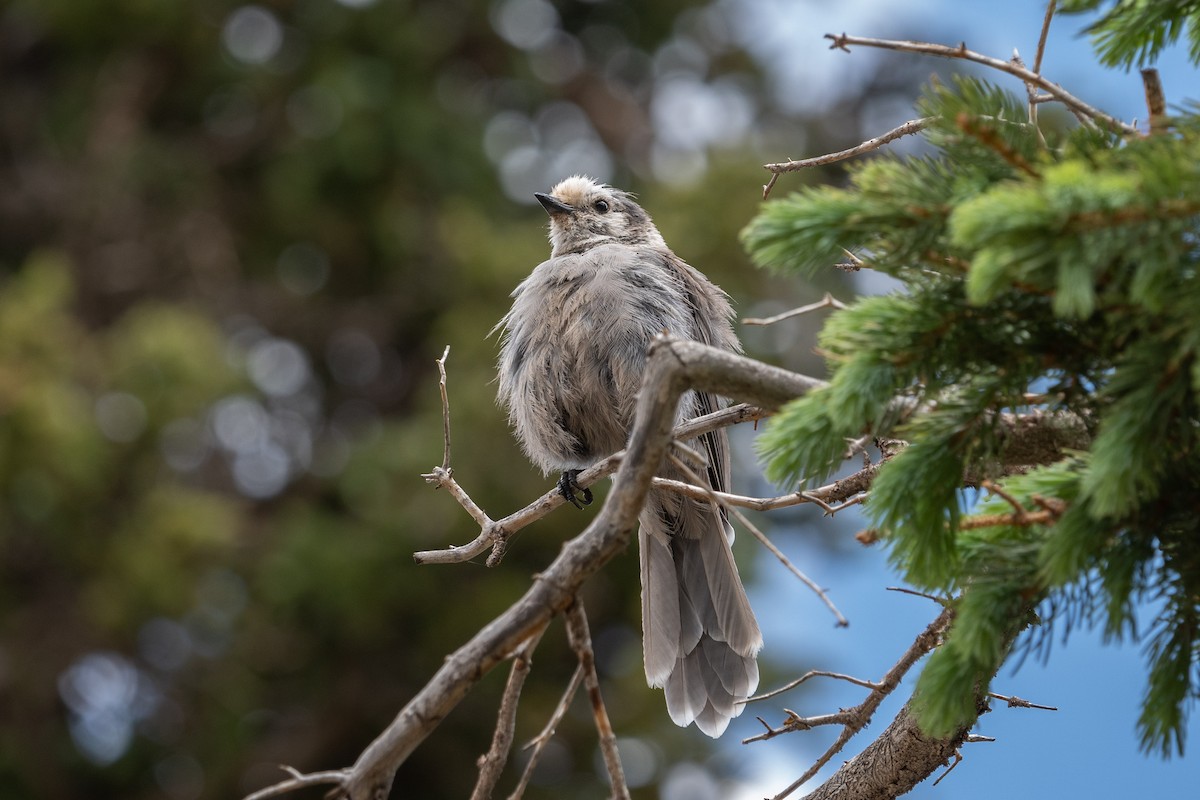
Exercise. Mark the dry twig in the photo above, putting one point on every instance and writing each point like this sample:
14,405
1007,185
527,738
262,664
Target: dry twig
491,763
1156,101
539,741
1018,702
581,643
855,719
828,301
910,127
844,42
495,534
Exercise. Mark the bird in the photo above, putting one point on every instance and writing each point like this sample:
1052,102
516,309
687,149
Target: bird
572,353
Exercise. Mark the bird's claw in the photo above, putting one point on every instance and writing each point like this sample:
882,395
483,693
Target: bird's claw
567,486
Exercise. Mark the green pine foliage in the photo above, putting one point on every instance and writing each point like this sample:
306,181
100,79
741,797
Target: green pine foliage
1136,31
1066,267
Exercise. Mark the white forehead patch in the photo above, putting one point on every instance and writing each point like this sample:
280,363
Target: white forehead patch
575,190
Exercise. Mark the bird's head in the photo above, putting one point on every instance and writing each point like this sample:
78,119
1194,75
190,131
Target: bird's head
585,214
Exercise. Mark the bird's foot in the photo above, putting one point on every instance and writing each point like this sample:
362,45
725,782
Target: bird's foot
567,486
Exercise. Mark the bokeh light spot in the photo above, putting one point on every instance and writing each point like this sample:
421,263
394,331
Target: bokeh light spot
252,34
277,366
120,416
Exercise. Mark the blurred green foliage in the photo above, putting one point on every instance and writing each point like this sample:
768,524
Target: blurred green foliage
233,240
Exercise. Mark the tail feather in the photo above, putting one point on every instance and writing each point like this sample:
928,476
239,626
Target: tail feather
700,637
660,607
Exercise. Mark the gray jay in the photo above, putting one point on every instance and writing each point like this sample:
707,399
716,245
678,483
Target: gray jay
571,361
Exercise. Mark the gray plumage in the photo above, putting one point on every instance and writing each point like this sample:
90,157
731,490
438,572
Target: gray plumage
571,362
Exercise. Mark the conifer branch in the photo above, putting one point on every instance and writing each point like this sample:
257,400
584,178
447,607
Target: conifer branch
845,42
988,136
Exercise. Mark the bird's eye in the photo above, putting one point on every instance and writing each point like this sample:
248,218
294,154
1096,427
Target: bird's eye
601,206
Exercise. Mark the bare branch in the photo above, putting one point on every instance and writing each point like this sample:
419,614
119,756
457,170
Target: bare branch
827,301
1041,45
1030,89
1156,100
547,733
581,643
941,601
1017,702
443,478
813,673
500,531
491,763
910,127
844,42
441,362
855,719
300,781
673,366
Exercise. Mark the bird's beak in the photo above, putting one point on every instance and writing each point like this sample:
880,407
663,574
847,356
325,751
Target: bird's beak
554,207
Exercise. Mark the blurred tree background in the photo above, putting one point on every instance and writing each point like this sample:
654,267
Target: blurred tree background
233,239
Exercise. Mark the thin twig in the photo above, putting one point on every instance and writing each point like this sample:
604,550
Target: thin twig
910,127
828,301
842,622
1018,702
442,478
1030,89
1023,520
1041,46
957,760
336,777
441,362
999,491
941,601
856,718
491,763
539,741
581,643
500,531
812,673
844,42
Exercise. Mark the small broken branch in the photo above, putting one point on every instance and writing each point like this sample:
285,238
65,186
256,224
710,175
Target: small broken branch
828,301
1017,702
1156,100
441,362
910,127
